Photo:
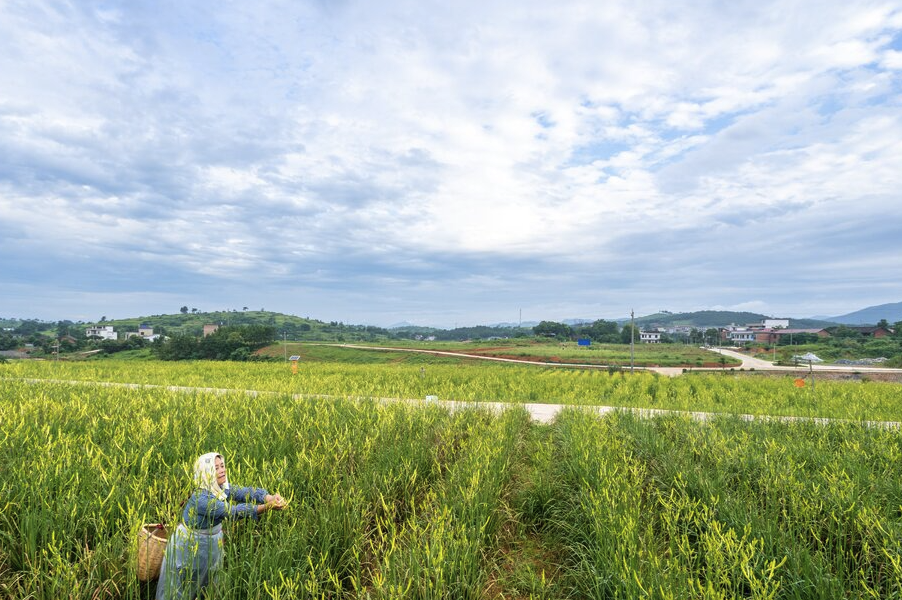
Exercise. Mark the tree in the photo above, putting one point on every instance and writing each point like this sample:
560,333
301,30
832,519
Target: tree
629,333
843,332
63,327
600,331
553,329
178,347
882,323
184,310
712,335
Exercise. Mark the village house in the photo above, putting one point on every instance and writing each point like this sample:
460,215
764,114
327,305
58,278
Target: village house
741,336
105,332
650,337
145,331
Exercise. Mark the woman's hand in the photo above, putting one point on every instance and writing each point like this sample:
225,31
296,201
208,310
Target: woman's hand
275,502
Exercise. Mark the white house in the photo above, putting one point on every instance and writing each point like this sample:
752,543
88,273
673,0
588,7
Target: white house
741,336
105,333
145,331
650,337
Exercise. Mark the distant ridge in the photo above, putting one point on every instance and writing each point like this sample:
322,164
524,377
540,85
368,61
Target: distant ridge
717,318
871,315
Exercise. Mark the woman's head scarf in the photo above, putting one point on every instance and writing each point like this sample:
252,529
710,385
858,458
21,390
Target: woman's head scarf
205,475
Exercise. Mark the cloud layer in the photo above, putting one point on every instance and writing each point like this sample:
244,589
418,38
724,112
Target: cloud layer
378,162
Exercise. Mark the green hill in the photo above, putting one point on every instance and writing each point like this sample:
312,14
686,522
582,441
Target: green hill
292,327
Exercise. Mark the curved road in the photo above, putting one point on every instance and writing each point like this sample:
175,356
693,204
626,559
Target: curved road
749,362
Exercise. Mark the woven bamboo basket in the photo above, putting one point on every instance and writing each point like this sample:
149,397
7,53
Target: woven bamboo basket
152,538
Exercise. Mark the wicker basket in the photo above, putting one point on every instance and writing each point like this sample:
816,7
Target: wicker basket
152,539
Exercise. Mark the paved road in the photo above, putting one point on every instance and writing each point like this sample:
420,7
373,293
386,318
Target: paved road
749,362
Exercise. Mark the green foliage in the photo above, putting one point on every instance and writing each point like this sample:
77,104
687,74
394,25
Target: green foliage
629,334
601,331
383,498
393,500
553,329
8,342
502,383
670,508
226,343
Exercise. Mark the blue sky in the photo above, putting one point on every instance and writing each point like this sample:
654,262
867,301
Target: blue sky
449,163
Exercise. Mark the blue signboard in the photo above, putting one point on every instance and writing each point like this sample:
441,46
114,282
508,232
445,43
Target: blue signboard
583,342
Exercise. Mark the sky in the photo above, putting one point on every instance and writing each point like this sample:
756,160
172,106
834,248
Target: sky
449,163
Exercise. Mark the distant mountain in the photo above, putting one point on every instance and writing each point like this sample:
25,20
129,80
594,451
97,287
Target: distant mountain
701,318
812,323
871,315
704,319
523,324
573,322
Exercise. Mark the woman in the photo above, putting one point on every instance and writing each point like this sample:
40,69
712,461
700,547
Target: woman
194,552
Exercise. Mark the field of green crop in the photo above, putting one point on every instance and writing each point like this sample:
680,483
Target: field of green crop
717,392
660,355
397,500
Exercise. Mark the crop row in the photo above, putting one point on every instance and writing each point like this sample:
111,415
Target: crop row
404,501
383,498
671,508
718,392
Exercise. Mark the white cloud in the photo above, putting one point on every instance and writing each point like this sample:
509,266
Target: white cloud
405,136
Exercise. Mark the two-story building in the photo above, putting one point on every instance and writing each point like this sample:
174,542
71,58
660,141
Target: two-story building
145,331
650,337
741,336
105,332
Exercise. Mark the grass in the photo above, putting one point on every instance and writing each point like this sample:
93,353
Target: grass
322,352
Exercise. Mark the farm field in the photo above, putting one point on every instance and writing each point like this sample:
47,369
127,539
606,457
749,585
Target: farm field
713,392
408,501
657,355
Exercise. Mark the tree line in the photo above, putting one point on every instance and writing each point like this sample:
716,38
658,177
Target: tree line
236,342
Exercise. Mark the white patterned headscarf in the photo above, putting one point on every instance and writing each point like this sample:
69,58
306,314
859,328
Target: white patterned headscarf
205,475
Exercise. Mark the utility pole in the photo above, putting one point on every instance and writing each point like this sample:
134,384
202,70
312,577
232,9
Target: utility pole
285,344
632,337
